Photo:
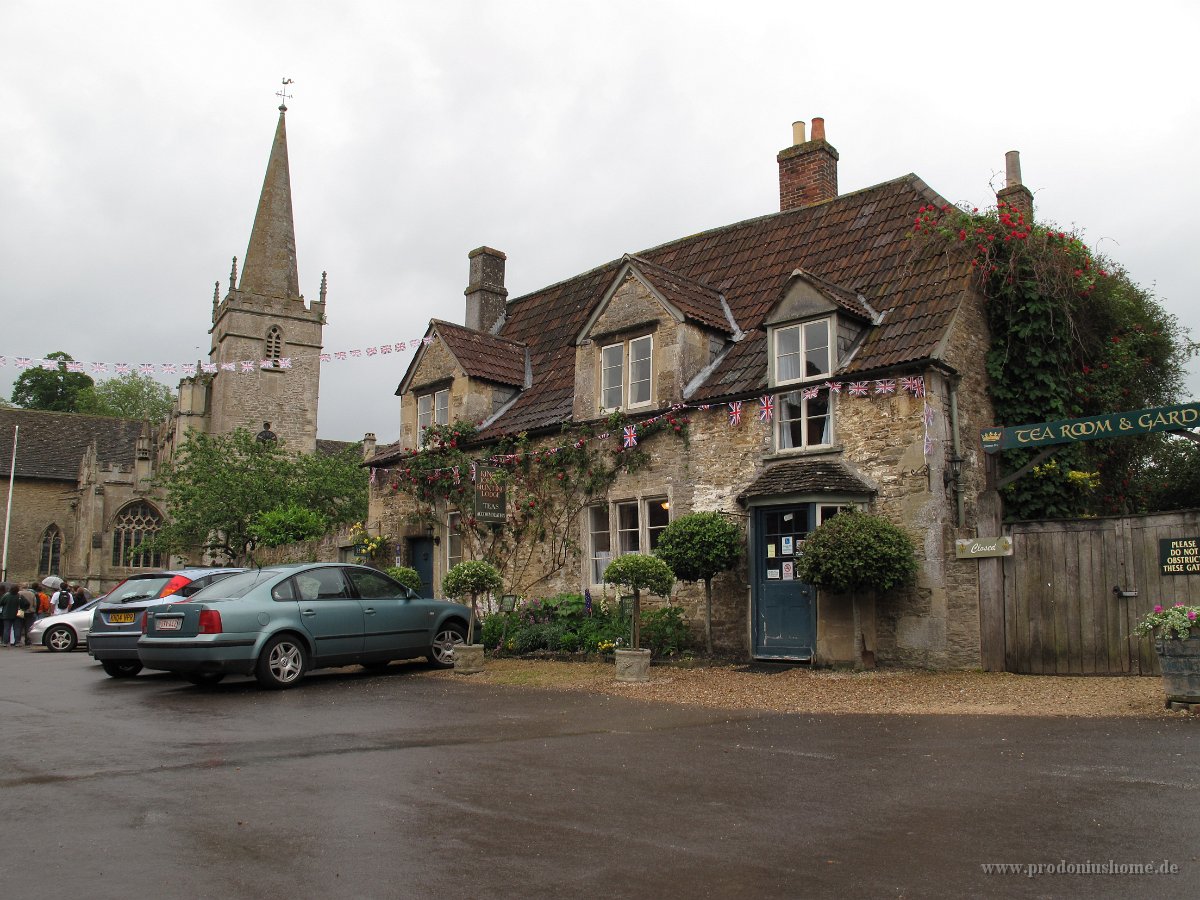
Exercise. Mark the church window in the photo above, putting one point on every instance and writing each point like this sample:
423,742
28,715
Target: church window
135,525
274,343
51,560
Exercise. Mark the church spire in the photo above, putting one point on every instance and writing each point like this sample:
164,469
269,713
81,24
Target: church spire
269,268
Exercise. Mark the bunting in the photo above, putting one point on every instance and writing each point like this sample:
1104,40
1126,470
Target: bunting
735,413
766,407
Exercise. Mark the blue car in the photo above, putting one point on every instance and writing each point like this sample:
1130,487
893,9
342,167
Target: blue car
279,622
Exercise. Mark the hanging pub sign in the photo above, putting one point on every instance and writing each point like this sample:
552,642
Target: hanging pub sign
1091,428
1179,556
490,495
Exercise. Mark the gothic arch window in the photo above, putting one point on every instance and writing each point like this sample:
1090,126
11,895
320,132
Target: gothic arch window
51,560
274,346
135,524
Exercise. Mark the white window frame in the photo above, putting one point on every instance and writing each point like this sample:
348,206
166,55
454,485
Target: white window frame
802,332
599,541
453,540
653,530
617,362
620,527
432,409
783,436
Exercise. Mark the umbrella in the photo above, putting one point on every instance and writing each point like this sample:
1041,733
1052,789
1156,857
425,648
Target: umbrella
52,581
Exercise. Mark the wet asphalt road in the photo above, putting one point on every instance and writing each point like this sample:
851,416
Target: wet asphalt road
396,785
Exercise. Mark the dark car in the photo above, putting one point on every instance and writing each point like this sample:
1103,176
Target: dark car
279,622
116,621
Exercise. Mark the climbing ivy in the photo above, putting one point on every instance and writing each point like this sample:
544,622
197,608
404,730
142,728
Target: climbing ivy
1071,335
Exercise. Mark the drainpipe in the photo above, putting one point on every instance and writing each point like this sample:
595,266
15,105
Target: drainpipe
956,459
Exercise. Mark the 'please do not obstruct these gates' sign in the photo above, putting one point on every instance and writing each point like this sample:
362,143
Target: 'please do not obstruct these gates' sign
1179,556
1091,428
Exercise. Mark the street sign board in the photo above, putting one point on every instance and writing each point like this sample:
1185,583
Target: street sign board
1091,428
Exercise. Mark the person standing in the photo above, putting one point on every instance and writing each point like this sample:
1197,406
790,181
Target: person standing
30,605
44,607
10,629
62,600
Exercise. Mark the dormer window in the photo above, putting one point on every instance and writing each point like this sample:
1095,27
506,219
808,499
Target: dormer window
626,373
432,409
802,352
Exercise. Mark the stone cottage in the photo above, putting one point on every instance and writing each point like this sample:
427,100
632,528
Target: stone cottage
777,370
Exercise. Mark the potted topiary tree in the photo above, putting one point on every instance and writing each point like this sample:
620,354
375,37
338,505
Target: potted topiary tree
853,553
406,575
638,572
697,547
470,579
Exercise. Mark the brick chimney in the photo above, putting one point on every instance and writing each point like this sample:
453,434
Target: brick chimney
807,169
486,295
1014,194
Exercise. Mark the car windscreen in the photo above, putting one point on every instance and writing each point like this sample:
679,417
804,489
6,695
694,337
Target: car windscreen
235,586
134,589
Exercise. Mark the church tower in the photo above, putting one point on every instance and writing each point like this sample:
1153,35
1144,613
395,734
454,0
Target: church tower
265,339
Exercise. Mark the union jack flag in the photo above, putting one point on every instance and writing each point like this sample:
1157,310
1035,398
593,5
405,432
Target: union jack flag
74,367
472,472
885,386
858,389
189,368
914,384
706,406
266,363
326,357
341,354
229,366
385,348
24,362
3,360
735,412
169,368
248,366
371,351
810,393
208,368
50,365
427,340
146,368
100,368
400,346
372,476
457,478
122,368
766,407
285,362
630,436
834,387
356,353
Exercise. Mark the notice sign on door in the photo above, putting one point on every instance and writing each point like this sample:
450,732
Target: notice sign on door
1179,556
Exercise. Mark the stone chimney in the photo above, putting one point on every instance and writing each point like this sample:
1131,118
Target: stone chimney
807,169
368,445
1014,194
485,291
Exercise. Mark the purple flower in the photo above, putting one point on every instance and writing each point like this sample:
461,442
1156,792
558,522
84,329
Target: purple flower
1191,615
1158,608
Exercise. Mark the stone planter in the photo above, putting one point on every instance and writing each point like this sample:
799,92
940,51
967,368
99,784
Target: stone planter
1180,662
633,665
468,659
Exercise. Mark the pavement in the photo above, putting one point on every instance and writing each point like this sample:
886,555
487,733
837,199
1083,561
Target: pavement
404,785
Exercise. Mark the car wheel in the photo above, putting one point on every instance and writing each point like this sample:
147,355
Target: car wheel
441,652
121,668
282,662
205,678
60,639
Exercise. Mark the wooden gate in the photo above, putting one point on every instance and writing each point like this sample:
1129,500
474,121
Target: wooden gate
1066,604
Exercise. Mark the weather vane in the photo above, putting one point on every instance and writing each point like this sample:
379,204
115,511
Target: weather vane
283,95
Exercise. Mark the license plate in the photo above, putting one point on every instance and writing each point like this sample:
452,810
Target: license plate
121,618
167,624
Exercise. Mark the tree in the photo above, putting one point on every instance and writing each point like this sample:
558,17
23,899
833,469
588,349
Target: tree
639,572
55,390
855,552
407,576
132,396
230,493
470,579
697,547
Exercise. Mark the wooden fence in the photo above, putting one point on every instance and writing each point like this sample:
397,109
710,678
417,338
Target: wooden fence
1061,600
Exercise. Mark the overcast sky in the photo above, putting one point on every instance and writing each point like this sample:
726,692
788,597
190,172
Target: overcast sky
135,138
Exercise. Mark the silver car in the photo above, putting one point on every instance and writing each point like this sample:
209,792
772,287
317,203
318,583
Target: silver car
64,632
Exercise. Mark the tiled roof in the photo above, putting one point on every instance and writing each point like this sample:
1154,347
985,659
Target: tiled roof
332,448
483,356
51,444
694,299
856,242
807,476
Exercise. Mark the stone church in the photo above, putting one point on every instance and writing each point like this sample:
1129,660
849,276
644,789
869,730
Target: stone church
83,495
776,371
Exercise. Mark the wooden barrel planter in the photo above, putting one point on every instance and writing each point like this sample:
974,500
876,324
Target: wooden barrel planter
1180,662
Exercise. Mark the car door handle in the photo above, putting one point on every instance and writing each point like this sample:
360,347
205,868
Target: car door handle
308,612
369,610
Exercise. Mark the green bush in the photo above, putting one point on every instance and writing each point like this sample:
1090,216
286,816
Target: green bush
664,631
559,624
854,551
406,575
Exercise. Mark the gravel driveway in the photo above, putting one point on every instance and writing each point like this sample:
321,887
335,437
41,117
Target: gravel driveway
801,690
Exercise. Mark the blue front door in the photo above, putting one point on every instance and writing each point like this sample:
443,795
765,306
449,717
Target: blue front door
785,612
421,553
